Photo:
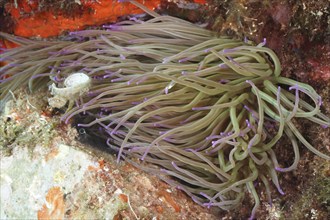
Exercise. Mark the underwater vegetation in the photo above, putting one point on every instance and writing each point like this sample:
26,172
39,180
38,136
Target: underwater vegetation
208,110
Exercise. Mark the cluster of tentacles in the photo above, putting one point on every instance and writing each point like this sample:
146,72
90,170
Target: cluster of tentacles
208,110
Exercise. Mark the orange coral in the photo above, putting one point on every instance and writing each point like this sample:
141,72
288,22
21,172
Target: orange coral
55,207
31,22
46,23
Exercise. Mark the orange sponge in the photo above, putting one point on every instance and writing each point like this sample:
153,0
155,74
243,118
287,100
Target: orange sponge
31,21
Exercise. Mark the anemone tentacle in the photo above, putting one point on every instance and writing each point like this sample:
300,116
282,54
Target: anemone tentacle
208,110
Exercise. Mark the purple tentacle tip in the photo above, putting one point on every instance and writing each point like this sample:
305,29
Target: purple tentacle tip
281,191
190,150
263,43
319,100
279,169
122,57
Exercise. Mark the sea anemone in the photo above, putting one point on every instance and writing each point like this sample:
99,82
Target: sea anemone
207,110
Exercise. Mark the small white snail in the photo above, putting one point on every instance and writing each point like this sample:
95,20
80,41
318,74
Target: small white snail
75,85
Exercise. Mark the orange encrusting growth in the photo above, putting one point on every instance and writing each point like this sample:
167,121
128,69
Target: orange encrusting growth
170,200
5,44
46,24
55,207
31,22
123,197
200,1
52,154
